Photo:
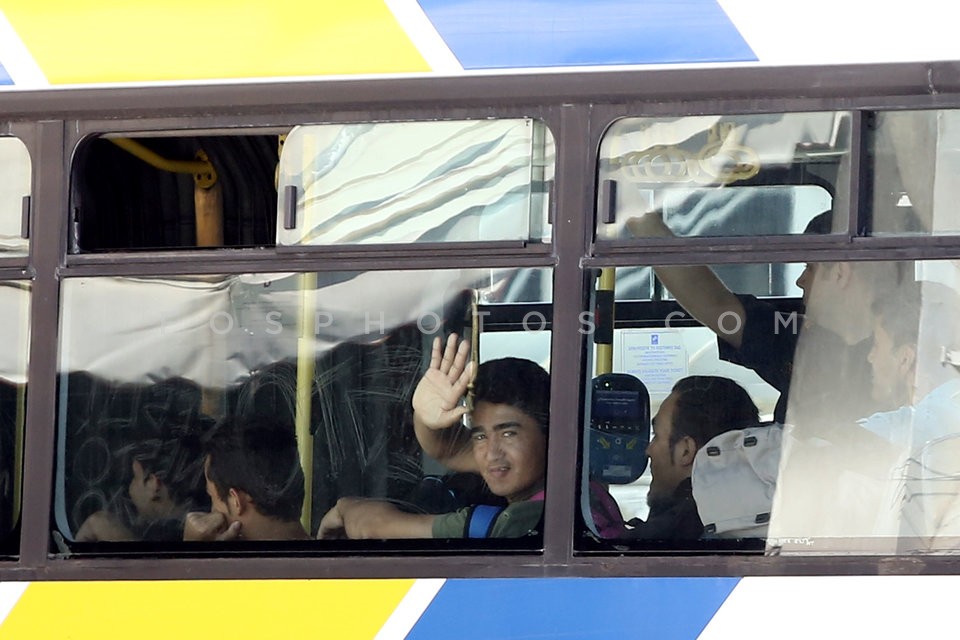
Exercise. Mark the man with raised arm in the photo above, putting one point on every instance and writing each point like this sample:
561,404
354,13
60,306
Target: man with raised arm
754,334
505,443
255,483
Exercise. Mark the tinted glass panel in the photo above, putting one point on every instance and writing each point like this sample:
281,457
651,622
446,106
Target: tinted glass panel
915,156
412,182
823,422
326,362
14,187
14,320
870,461
721,175
656,344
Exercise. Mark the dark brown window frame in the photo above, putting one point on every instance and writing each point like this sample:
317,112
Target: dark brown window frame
577,107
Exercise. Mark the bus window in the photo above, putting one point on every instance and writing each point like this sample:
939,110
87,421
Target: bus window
659,343
174,190
14,189
914,158
883,478
15,302
416,182
850,447
330,360
747,175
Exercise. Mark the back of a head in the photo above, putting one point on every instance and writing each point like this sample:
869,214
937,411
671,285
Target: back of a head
175,456
898,313
707,406
260,458
820,224
517,382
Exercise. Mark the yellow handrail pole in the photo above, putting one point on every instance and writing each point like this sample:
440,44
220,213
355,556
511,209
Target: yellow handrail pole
207,193
306,369
604,363
208,232
157,161
474,343
208,217
208,206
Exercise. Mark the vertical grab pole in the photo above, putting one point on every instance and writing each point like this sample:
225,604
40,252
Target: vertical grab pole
603,336
208,223
208,206
474,342
306,367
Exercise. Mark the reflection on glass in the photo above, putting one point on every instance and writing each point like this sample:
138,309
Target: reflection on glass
771,279
412,182
857,451
721,175
157,384
700,391
869,464
14,187
14,322
915,158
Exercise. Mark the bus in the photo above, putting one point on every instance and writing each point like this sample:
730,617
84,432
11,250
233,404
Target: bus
283,230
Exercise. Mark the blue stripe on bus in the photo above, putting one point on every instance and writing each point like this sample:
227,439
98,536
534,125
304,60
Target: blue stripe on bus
490,34
662,608
4,76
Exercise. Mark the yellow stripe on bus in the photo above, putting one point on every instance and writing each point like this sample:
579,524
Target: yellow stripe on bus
91,41
233,610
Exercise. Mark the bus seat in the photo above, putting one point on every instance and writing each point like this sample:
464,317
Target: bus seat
734,477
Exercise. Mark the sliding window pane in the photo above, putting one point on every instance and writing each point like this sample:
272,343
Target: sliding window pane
14,322
416,182
14,189
154,372
731,175
914,160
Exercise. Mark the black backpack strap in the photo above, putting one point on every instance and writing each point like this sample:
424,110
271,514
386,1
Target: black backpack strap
480,520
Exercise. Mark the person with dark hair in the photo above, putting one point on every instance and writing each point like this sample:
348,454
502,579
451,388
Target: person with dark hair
255,483
163,480
697,409
895,477
831,335
505,443
893,352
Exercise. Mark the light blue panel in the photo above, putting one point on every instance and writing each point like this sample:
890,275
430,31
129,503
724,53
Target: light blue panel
489,34
4,76
583,608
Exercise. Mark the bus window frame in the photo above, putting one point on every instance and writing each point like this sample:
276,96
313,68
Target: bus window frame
26,133
577,107
81,132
